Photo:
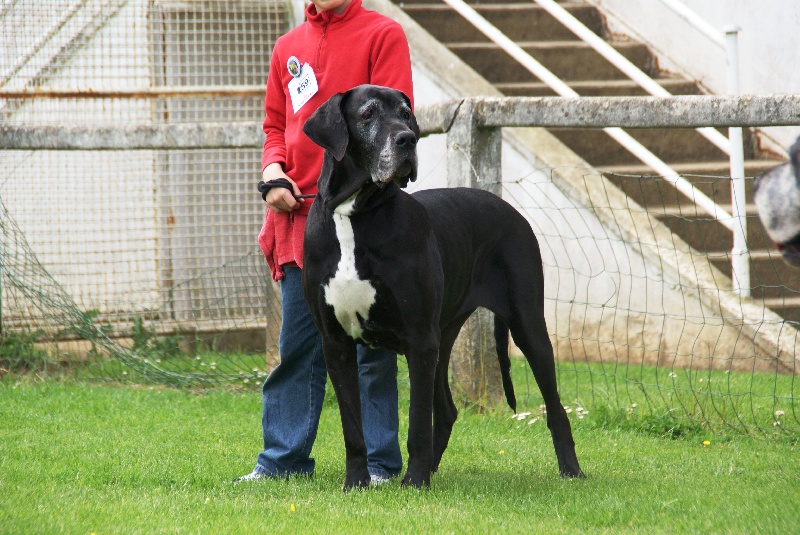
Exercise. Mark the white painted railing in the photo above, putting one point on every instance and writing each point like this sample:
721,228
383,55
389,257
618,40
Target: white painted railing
736,223
740,257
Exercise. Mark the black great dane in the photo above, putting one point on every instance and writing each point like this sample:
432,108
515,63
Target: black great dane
404,272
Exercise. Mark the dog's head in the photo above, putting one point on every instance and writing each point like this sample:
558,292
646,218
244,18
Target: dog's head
371,132
777,198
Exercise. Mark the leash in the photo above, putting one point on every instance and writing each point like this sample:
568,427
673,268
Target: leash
264,187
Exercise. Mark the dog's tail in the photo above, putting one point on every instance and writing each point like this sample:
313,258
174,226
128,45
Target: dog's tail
501,341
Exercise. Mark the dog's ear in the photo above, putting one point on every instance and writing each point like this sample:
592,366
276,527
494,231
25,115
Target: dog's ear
413,123
327,128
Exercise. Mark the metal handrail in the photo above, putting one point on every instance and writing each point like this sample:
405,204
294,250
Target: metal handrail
696,21
740,262
619,135
622,63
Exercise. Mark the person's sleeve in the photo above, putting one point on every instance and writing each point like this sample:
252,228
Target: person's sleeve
274,116
391,61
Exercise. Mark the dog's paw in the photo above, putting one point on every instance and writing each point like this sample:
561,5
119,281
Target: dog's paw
410,480
572,473
356,483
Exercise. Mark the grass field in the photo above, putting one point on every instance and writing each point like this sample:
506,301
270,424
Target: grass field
83,458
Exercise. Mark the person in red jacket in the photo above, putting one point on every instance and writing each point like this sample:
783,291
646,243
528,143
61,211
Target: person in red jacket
341,45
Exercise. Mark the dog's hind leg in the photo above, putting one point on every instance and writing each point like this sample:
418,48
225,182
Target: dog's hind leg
530,334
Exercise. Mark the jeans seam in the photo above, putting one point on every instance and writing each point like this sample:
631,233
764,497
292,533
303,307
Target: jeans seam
310,399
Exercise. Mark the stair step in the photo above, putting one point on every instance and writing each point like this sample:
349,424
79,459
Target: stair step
672,145
524,21
569,60
779,302
595,88
717,168
692,210
788,307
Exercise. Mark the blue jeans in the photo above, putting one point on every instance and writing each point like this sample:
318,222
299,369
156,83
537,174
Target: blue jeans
294,391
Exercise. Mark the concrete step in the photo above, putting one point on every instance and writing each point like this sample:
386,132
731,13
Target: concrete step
595,88
707,235
710,178
520,21
787,306
716,168
671,145
569,60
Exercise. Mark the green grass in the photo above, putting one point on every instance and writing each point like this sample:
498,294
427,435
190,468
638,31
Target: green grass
673,398
82,458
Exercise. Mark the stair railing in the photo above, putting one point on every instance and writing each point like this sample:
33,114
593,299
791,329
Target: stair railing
740,273
740,258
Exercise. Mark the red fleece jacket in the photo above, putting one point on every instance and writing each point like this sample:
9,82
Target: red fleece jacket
354,48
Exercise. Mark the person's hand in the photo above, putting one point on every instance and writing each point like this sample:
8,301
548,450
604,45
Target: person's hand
281,200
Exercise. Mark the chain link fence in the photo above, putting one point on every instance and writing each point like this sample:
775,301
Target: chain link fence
145,242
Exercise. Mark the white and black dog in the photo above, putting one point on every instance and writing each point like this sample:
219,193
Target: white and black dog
404,272
777,198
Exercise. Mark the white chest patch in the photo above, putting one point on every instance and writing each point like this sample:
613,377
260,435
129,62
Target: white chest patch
350,297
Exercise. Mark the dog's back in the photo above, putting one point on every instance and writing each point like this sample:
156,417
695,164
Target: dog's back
473,223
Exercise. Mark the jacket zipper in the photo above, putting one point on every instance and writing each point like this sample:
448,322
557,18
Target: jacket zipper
318,66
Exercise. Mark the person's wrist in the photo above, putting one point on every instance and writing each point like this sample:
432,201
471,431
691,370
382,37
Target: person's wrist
273,171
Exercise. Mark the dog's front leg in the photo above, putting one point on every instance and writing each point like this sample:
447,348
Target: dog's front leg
421,372
342,364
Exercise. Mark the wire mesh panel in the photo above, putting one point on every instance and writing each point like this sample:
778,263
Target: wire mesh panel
163,237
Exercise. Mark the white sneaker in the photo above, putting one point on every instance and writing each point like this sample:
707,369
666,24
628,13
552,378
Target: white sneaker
252,476
375,480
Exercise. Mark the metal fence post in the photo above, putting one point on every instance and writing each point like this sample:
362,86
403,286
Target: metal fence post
473,160
740,258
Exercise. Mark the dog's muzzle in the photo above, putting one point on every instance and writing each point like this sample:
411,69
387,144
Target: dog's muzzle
398,160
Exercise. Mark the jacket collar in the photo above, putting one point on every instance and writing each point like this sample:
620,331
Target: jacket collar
329,16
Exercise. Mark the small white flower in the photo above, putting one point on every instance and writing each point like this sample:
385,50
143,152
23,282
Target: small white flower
633,405
673,374
779,414
533,421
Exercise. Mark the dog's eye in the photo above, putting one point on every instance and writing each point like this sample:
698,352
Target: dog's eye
405,114
367,114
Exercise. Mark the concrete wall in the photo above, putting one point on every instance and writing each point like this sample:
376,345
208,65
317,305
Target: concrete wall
768,43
